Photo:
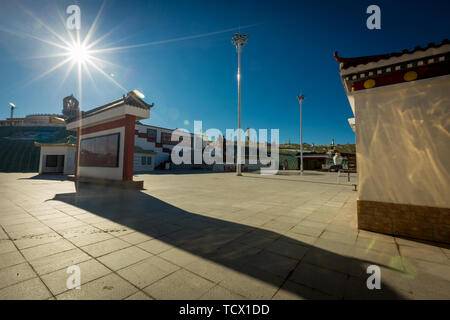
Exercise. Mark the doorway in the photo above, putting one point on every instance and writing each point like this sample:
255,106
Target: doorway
54,163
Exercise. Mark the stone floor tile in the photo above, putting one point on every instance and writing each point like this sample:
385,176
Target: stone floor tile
109,287
10,259
306,230
104,247
140,295
124,257
179,285
84,240
324,280
426,254
155,246
15,274
48,249
135,238
58,261
377,245
147,271
210,270
260,285
293,291
7,246
349,239
220,293
32,289
35,240
89,270
178,257
273,263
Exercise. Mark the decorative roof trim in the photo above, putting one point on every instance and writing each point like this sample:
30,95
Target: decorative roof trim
63,144
130,99
346,63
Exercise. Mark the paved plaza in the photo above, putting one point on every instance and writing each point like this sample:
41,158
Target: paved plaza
204,236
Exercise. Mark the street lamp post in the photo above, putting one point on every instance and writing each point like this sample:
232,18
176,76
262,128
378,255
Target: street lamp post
239,41
13,106
300,100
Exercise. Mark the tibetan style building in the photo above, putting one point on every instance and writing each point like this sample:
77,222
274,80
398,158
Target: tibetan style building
401,104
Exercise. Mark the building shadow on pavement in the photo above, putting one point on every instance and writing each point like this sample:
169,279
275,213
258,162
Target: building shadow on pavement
275,259
47,176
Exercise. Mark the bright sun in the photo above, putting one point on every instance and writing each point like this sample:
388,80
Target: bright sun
79,53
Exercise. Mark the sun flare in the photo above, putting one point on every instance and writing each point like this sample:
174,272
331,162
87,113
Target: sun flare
79,53
84,54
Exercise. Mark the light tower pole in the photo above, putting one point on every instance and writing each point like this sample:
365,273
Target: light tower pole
300,100
239,41
13,106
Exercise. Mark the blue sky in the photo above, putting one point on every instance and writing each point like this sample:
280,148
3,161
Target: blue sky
290,51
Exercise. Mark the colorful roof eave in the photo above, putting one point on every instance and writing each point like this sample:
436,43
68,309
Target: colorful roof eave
352,65
38,144
390,69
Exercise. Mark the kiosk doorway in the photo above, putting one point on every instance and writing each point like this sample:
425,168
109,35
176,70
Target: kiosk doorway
54,163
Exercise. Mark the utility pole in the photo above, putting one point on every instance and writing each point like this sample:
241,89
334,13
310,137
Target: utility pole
300,99
239,41
13,106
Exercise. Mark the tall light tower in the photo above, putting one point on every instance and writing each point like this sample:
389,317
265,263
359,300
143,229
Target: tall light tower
300,99
13,106
239,40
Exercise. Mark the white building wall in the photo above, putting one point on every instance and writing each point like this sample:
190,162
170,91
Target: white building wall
402,141
139,167
69,158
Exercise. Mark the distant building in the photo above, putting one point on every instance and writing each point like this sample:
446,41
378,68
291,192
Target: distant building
11,122
156,141
401,104
70,110
57,157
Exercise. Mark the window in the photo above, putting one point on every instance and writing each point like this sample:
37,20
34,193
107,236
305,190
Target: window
166,138
51,161
143,160
149,161
151,133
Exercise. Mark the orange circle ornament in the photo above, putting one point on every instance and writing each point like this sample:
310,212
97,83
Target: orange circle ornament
370,83
410,76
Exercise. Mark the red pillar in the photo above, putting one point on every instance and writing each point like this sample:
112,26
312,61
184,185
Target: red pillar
76,151
128,148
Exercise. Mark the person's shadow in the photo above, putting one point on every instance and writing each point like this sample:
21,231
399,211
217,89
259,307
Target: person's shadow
261,254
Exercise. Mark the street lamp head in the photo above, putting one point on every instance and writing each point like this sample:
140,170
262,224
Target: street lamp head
12,105
300,97
239,40
139,94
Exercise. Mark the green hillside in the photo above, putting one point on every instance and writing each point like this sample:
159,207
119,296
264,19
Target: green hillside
343,148
17,150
